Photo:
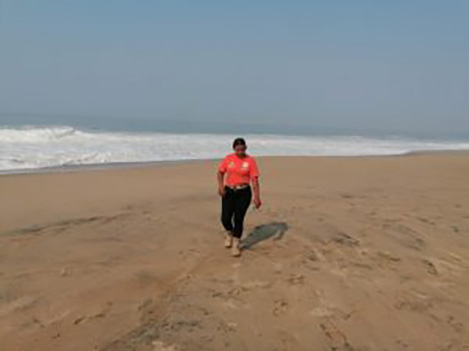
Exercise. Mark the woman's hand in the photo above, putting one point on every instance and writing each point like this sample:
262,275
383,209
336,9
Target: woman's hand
221,191
257,202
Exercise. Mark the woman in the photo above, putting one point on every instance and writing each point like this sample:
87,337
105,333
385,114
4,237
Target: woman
235,175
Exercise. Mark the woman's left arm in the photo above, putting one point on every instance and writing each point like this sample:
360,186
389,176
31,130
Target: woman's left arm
254,174
257,192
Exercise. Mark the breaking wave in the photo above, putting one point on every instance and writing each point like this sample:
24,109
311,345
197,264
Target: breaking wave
39,147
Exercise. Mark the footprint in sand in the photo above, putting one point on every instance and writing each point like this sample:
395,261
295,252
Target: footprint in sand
457,326
233,304
296,279
404,235
227,327
160,346
330,312
280,307
311,260
288,341
430,267
345,239
99,315
337,339
386,256
420,305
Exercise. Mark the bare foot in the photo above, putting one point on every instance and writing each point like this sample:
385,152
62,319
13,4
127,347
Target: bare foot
228,240
236,250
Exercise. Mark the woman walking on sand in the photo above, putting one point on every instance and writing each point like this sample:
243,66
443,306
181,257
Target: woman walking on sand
235,175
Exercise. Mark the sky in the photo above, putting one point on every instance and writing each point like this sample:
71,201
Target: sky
400,65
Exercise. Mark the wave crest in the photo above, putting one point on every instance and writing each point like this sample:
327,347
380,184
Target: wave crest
35,134
38,147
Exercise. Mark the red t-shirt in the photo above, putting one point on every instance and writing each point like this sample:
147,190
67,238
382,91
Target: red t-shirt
238,170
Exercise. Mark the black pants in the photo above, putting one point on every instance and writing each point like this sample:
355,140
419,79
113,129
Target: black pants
235,204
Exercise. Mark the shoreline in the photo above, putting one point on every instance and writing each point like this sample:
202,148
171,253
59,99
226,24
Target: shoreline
153,164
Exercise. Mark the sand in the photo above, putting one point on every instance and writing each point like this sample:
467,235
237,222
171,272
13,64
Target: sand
368,254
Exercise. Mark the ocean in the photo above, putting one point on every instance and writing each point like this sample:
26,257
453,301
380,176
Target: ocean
29,146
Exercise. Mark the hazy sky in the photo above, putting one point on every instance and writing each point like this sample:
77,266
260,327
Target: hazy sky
401,64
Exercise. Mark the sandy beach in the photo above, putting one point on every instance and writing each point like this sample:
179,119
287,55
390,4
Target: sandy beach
362,254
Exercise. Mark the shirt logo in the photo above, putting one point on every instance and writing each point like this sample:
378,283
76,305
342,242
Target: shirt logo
245,165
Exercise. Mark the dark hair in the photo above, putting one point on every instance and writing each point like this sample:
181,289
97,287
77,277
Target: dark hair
239,141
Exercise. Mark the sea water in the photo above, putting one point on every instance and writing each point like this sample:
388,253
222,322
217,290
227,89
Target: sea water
35,147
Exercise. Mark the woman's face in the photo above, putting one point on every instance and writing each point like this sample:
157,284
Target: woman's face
240,150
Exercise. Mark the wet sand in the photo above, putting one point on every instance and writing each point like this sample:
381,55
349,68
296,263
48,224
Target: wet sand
363,254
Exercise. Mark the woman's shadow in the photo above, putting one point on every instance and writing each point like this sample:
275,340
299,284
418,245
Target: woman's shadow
275,230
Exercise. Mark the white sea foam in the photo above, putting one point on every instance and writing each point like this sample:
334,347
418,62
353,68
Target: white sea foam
34,147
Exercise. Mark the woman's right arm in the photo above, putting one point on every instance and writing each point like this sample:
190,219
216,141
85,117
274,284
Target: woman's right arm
220,177
221,187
